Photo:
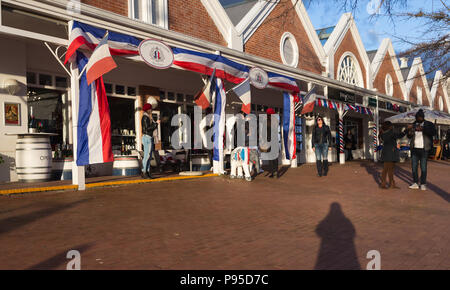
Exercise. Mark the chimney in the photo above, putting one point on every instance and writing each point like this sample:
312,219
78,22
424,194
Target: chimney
403,62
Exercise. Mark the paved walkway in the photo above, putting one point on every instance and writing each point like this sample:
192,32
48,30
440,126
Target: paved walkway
299,221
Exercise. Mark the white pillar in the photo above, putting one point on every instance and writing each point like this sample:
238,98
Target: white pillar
77,171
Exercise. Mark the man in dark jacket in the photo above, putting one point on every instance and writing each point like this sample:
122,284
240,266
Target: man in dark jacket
148,126
421,133
321,140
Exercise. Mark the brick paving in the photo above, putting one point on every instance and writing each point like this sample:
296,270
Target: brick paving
299,221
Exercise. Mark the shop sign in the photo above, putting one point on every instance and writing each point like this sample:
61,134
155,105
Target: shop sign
372,102
156,53
258,77
343,97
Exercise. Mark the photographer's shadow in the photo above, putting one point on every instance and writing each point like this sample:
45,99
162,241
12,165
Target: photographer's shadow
337,248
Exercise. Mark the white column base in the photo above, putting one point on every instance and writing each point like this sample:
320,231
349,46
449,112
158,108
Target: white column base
341,158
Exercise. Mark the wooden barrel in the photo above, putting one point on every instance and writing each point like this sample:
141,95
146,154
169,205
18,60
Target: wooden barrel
200,163
33,158
62,169
126,166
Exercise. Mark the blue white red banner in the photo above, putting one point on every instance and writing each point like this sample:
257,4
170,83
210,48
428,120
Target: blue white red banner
94,124
205,63
87,37
290,142
282,82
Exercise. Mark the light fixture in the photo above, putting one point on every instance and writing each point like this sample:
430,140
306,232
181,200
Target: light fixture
11,85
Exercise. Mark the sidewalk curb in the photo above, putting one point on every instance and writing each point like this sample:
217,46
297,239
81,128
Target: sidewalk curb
98,184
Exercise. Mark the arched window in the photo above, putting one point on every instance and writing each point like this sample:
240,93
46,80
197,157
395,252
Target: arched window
441,104
389,85
349,70
419,95
289,49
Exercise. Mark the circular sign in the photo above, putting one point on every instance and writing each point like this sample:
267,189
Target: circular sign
258,77
156,53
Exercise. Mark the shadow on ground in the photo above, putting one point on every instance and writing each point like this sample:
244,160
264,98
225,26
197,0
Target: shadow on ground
337,247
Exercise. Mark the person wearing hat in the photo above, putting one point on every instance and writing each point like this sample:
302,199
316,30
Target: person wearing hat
421,133
148,127
389,154
321,140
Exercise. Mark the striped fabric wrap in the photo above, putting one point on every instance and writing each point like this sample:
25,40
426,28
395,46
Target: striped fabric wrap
375,139
341,135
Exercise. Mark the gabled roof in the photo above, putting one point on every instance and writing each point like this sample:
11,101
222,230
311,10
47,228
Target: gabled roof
237,9
417,67
405,72
378,58
371,54
324,34
439,79
347,23
262,9
223,23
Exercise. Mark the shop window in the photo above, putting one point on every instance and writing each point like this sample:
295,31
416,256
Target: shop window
180,98
61,82
162,95
289,49
149,11
189,99
131,91
122,125
170,96
120,90
45,80
108,88
31,78
167,110
45,109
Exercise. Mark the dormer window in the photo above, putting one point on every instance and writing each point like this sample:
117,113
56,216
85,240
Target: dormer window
149,11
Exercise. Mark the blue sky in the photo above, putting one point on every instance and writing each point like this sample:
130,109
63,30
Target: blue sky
324,13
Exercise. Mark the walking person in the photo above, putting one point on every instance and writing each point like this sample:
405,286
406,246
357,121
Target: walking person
421,133
350,144
148,127
390,153
321,140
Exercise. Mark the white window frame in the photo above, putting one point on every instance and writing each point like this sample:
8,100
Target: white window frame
389,85
419,95
290,36
146,12
359,76
441,104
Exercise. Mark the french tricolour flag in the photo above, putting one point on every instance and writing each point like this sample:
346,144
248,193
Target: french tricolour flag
94,124
243,92
309,101
204,98
290,142
100,61
219,127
